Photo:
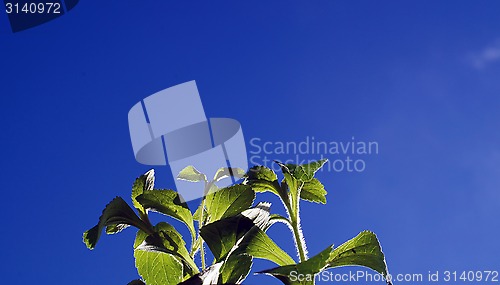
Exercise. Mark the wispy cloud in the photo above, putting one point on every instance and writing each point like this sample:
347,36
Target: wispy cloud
489,55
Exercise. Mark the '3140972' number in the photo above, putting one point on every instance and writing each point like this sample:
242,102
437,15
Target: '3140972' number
33,8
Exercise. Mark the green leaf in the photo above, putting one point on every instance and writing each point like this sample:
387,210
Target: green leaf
258,244
221,236
226,172
141,184
243,234
235,269
235,240
158,268
262,179
295,176
191,174
168,202
261,173
259,214
117,212
229,201
363,250
300,182
168,240
313,191
305,172
289,274
114,229
292,185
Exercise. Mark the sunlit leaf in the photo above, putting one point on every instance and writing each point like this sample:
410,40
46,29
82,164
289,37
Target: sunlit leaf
235,269
221,236
229,201
305,172
226,172
313,191
168,240
143,183
168,202
363,250
117,212
114,229
262,179
191,174
289,274
158,268
258,244
243,234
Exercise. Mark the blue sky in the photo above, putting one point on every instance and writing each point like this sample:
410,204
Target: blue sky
419,77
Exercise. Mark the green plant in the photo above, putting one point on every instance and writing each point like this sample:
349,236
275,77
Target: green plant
233,230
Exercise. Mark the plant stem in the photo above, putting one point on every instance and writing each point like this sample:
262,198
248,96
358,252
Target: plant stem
202,251
200,224
293,210
299,239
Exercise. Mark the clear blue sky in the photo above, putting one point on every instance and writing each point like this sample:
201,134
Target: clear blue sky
421,78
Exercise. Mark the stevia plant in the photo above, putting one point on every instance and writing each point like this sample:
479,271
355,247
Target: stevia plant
233,229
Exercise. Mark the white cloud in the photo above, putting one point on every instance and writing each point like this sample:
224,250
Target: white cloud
487,56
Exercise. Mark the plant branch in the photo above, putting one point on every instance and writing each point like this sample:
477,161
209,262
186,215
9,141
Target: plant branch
293,210
200,225
300,242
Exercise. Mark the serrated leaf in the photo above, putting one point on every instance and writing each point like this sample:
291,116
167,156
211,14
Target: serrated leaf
235,269
261,173
234,240
362,250
168,240
168,202
305,172
158,268
221,236
258,244
114,229
141,184
262,179
191,174
295,176
117,212
229,201
226,172
259,214
288,274
313,191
